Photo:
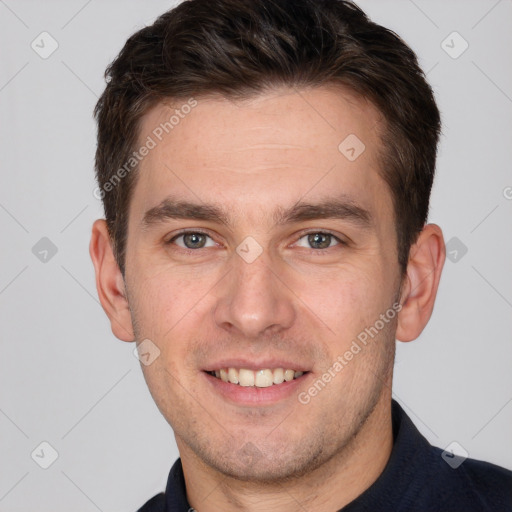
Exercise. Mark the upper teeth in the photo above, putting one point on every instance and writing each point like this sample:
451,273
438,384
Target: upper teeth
258,378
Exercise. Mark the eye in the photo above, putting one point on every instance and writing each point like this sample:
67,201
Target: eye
318,240
192,240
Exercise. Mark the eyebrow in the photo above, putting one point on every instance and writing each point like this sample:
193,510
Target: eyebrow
342,208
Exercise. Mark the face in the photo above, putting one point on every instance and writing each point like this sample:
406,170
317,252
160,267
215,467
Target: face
256,246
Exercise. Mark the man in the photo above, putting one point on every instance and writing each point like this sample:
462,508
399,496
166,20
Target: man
265,168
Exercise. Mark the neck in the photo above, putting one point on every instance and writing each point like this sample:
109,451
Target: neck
330,487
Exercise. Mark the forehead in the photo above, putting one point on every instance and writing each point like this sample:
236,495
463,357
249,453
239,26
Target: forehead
262,153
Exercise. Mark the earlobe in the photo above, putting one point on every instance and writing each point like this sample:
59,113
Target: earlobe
110,282
426,260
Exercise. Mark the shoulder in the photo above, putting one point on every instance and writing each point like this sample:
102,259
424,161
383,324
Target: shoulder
175,496
474,485
155,504
427,478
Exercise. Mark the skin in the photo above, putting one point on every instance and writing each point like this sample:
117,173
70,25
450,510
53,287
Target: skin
293,301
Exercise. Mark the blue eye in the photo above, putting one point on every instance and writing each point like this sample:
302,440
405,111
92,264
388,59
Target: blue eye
318,240
192,240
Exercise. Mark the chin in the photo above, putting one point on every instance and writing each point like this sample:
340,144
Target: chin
250,464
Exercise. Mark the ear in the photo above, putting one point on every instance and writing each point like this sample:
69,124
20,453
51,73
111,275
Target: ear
110,282
419,289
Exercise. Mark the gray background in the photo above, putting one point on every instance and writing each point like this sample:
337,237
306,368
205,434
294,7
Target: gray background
65,379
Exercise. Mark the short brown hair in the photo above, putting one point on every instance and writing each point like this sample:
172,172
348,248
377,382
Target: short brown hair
240,48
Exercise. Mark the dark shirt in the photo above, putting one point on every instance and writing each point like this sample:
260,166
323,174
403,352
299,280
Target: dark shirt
417,478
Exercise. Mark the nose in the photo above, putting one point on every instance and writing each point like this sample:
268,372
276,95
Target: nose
254,300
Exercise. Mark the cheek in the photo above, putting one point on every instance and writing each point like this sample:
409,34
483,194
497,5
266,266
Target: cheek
166,299
172,310
345,301
167,312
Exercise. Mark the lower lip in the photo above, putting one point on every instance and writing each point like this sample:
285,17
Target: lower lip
252,395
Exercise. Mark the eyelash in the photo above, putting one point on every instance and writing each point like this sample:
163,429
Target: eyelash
302,235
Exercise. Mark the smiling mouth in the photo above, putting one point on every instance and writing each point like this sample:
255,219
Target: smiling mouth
260,378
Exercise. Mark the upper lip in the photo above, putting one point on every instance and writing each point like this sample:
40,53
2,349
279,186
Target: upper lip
257,364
